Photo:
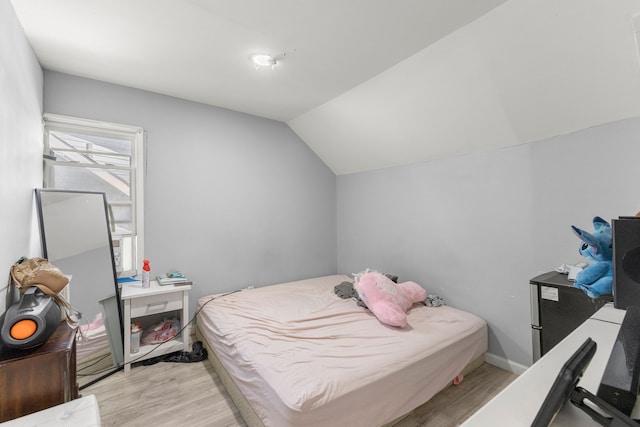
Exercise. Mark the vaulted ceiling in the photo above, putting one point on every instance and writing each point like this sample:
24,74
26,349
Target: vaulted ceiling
367,84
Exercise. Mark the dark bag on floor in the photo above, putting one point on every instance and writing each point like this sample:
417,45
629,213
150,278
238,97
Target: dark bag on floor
197,354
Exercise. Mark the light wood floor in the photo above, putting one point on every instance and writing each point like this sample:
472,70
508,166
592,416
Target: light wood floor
177,394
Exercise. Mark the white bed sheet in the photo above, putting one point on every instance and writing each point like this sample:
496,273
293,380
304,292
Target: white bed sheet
304,357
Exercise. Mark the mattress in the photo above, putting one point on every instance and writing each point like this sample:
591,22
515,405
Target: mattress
302,356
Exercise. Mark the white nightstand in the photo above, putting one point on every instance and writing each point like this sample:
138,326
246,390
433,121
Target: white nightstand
146,306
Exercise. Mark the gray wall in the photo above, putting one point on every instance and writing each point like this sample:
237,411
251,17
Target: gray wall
20,144
475,229
231,199
234,200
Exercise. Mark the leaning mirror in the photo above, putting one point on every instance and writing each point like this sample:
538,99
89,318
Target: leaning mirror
75,235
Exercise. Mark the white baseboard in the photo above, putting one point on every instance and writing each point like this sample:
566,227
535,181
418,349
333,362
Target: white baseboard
505,364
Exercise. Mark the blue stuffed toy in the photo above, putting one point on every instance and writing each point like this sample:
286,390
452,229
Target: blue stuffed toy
597,278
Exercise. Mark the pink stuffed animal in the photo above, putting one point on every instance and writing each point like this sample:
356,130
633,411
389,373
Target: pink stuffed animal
387,300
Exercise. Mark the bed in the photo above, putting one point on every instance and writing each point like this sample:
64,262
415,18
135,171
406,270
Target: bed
296,354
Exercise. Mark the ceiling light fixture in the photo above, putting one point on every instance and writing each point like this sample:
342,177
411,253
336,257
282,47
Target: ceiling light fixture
262,60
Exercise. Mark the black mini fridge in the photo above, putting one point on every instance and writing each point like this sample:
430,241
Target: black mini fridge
557,308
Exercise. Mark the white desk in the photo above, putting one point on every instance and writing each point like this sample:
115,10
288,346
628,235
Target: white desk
609,314
518,403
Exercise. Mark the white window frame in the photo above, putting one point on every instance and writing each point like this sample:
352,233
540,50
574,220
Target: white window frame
58,122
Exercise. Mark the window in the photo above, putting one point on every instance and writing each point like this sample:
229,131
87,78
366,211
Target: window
88,155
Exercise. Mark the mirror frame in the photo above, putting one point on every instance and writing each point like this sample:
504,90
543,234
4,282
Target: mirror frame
110,329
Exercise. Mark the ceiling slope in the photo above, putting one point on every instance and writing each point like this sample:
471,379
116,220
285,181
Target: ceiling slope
367,84
526,71
199,49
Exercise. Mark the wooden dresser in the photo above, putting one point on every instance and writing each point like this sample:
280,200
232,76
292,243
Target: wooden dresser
39,378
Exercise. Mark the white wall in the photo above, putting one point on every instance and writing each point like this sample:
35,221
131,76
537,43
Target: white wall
231,199
475,229
235,200
20,144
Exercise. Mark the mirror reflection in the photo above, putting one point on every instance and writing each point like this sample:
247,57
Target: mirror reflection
76,238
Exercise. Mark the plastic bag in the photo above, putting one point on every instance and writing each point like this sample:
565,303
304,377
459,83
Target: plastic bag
161,331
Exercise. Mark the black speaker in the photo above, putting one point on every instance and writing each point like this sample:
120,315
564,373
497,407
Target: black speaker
626,262
29,322
621,379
